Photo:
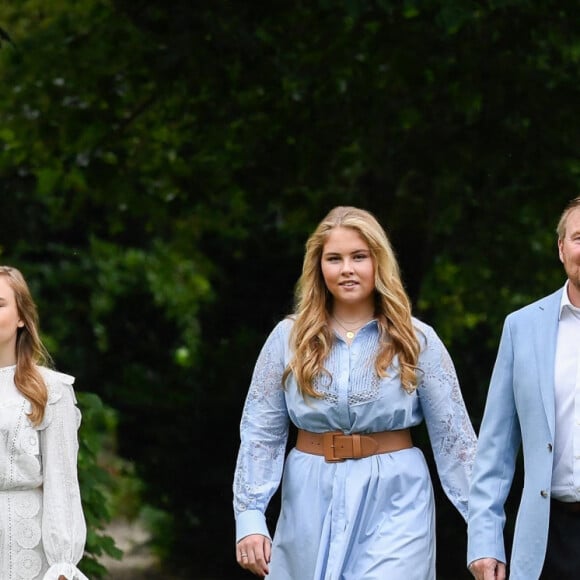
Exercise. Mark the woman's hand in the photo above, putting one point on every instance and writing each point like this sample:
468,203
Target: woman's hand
253,554
487,569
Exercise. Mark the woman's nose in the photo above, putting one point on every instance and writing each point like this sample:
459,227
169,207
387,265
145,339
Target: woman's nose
347,266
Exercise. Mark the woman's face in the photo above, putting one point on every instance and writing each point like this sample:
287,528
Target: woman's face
348,269
9,319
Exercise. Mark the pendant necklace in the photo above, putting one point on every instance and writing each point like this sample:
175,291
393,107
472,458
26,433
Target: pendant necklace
350,332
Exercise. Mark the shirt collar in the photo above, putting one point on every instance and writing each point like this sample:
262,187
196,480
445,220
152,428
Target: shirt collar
565,302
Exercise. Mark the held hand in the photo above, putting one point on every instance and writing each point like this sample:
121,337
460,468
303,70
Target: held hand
487,569
253,554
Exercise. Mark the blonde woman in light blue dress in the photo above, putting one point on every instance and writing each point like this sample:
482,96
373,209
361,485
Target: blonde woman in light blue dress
353,371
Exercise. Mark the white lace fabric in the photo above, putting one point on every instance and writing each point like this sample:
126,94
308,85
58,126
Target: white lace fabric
42,527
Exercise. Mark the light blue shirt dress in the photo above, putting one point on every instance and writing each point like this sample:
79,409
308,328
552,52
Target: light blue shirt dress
360,519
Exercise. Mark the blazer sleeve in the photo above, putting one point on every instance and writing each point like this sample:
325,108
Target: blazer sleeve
498,444
63,523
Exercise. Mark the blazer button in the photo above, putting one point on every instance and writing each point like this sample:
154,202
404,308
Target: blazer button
544,493
550,447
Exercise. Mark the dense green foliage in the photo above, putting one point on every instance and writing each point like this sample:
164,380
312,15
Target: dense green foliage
162,164
95,481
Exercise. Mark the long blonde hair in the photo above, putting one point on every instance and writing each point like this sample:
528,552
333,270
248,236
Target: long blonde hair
30,351
311,337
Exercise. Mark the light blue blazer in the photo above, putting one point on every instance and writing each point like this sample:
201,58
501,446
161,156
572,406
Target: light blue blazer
519,411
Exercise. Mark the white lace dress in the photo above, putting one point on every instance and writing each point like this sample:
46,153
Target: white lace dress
371,518
42,527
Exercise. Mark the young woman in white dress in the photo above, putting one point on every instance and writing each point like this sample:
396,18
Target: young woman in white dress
42,527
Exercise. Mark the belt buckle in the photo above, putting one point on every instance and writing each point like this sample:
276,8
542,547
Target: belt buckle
328,446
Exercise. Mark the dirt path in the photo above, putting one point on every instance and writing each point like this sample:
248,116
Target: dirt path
138,562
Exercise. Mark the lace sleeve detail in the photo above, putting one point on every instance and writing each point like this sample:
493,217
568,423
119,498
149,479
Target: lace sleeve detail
263,430
63,523
450,430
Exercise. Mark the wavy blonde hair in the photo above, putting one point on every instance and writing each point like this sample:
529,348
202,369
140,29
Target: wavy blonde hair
30,351
311,337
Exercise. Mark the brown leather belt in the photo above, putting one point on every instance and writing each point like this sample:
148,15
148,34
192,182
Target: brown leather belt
336,446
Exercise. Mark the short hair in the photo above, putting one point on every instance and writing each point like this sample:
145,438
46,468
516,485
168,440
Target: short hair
561,229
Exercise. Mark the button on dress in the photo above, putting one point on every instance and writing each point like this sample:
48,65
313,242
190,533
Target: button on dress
371,518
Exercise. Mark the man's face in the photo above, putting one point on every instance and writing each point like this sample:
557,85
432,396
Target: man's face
569,250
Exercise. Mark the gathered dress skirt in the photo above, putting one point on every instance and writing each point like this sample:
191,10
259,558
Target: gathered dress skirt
360,519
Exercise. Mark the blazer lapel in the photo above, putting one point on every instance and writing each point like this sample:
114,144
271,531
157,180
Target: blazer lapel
545,339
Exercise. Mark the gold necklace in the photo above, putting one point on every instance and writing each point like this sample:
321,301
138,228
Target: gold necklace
350,332
341,320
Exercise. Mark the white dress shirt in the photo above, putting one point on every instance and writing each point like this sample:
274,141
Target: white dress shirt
566,470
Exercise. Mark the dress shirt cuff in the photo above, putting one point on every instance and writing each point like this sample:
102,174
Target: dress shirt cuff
477,552
251,522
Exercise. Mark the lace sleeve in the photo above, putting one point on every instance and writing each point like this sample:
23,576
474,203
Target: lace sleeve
263,435
450,430
63,523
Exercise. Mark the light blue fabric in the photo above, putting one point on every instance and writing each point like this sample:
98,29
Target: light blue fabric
370,518
519,410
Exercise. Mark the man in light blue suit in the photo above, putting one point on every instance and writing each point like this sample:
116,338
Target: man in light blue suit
533,402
